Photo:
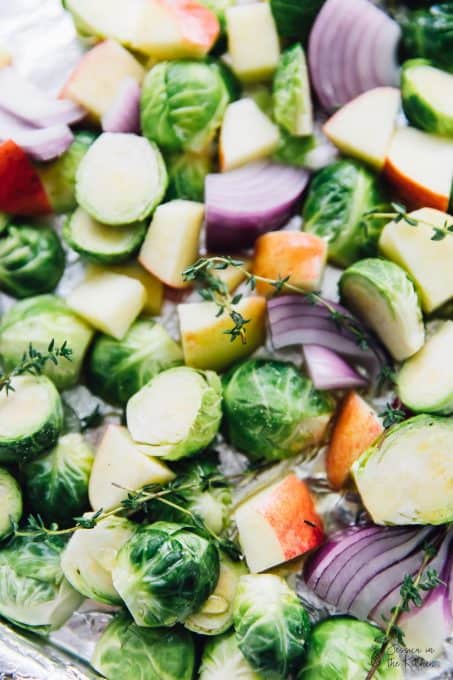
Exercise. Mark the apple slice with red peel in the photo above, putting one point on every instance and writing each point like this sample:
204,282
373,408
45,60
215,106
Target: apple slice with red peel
356,427
21,190
419,165
363,128
278,524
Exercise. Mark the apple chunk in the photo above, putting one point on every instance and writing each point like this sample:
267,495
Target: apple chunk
278,524
363,128
122,464
96,79
21,189
205,342
171,244
247,135
356,427
420,168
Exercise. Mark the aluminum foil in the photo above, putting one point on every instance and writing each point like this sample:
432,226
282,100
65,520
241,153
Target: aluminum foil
42,40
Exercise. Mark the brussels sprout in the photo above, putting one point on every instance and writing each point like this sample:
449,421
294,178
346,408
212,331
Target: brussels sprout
216,614
90,555
339,196
182,104
343,647
208,496
127,652
165,572
294,150
186,175
425,91
38,320
31,418
271,624
59,176
120,368
294,18
177,413
429,33
57,483
223,660
272,411
10,502
31,261
291,93
33,591
406,477
383,295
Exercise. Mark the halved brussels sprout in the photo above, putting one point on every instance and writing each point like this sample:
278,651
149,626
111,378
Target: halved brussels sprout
343,647
291,93
177,413
186,176
406,477
57,483
428,33
294,150
271,624
100,242
90,555
126,651
33,591
31,418
182,104
120,368
384,297
223,660
39,320
427,94
164,573
338,197
10,503
59,176
272,411
31,261
215,615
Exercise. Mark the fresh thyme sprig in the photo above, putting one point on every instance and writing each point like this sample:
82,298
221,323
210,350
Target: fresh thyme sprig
216,290
33,361
399,214
392,414
411,594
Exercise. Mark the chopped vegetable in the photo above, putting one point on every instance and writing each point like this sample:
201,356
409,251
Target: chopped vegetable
123,114
427,33
294,19
186,175
427,95
11,503
328,371
21,190
291,93
222,660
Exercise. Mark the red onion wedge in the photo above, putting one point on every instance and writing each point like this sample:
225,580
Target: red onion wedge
245,203
328,371
41,144
352,48
123,114
25,100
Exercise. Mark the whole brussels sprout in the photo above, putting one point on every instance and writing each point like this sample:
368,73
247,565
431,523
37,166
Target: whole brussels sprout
37,321
343,647
186,176
271,624
338,197
10,503
429,33
223,660
57,483
128,652
165,572
272,411
182,104
177,413
120,368
31,261
33,591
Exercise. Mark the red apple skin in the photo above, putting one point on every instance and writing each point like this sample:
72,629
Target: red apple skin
198,24
21,190
290,509
356,427
414,195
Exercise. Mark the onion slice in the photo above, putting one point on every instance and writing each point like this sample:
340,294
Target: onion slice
328,371
123,115
351,51
41,144
243,204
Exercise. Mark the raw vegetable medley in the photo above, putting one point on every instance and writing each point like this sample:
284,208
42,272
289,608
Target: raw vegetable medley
179,147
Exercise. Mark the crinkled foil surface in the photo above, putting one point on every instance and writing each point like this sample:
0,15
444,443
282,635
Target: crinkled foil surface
42,40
